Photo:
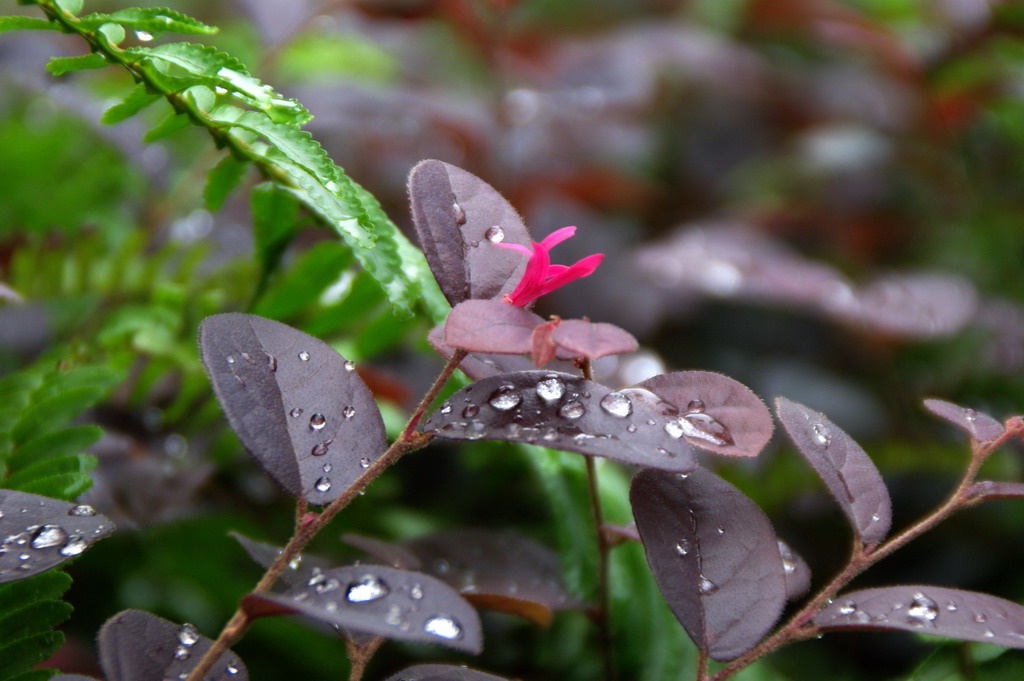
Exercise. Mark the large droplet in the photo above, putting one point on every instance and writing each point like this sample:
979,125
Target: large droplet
922,610
504,398
188,635
365,589
75,546
617,404
495,234
317,422
674,429
550,388
80,511
47,536
446,408
304,356
572,410
705,427
364,462
443,626
322,485
821,435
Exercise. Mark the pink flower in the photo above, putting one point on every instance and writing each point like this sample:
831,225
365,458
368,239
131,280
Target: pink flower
541,277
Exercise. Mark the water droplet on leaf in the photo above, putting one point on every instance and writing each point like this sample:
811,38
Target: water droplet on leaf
349,365
922,610
550,388
460,215
416,592
295,412
323,485
80,511
443,626
348,412
683,547
470,411
367,588
695,406
495,234
446,408
317,422
304,356
47,536
617,404
321,449
364,462
75,546
181,653
821,435
572,410
705,427
706,586
674,429
504,398
188,635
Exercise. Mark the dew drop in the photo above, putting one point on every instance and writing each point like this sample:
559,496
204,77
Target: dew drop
706,586
322,485
495,234
348,412
980,618
364,462
231,669
617,404
80,511
321,449
631,428
821,435
75,546
470,411
393,616
349,365
317,422
443,626
295,413
231,360
367,588
460,215
683,547
970,414
847,608
248,358
446,408
550,388
47,536
416,592
719,531
476,430
674,429
572,410
181,653
550,435
24,556
989,633
188,635
304,356
271,362
951,607
922,610
695,406
143,36
705,427
504,398
327,468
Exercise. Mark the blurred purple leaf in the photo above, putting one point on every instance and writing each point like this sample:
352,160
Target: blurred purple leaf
137,646
592,340
922,305
40,533
295,403
392,554
383,601
714,557
459,218
442,672
979,426
796,571
298,571
934,610
565,412
718,413
988,489
843,466
490,326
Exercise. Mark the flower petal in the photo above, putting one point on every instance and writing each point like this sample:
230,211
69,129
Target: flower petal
556,237
580,269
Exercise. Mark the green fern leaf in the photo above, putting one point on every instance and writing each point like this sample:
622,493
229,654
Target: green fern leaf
61,443
58,66
35,618
70,6
166,127
137,100
22,653
101,377
298,146
27,24
54,412
52,476
46,586
224,177
153,20
275,220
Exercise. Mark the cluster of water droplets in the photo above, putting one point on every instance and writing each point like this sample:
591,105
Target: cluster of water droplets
188,636
48,536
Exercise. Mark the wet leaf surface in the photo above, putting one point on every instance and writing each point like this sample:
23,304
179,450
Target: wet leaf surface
383,601
979,426
847,471
38,533
138,646
715,412
459,218
592,340
442,672
299,571
917,305
714,557
499,571
562,411
938,611
796,571
490,326
295,403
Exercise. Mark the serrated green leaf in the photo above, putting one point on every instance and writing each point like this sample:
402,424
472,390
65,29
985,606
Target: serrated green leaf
275,220
150,20
27,24
201,97
80,464
16,388
137,100
33,619
67,442
54,412
29,651
114,33
298,146
47,586
101,377
58,66
70,6
166,127
66,486
208,66
221,180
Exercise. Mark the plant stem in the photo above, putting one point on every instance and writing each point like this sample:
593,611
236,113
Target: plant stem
307,524
799,626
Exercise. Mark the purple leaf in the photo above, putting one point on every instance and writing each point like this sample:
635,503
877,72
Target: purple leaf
490,326
719,414
593,341
392,554
459,218
980,427
137,646
383,601
295,403
442,672
565,412
481,365
714,557
919,305
934,610
796,571
843,466
988,489
40,533
299,571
